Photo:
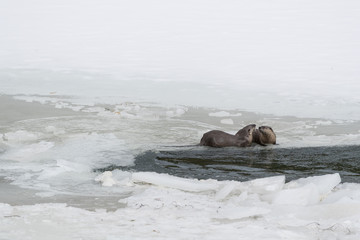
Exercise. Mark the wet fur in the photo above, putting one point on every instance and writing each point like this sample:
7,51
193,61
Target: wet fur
217,138
264,135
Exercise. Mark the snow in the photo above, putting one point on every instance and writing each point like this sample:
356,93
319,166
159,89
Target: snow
223,114
142,74
153,212
284,58
172,182
227,121
106,179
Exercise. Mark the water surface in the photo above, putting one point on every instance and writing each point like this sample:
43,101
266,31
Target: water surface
242,164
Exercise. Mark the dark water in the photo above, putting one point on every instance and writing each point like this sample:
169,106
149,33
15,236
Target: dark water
243,164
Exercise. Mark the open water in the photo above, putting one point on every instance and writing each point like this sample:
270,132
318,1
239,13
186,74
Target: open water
243,164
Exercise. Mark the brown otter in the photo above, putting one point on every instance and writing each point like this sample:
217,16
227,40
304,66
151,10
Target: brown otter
216,138
264,135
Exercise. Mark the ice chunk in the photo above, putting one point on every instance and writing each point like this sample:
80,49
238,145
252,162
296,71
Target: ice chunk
305,195
219,114
305,191
324,183
224,191
54,130
227,121
258,186
5,209
346,192
175,113
122,178
224,114
165,180
20,136
267,185
106,179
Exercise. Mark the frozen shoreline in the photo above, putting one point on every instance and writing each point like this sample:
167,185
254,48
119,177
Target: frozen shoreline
238,209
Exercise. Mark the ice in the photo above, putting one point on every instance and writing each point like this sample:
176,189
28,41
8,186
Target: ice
166,180
20,136
227,121
55,130
345,192
225,191
6,209
305,195
140,75
63,166
306,191
324,183
152,212
28,152
227,64
177,113
67,165
106,179
223,114
267,185
227,212
116,177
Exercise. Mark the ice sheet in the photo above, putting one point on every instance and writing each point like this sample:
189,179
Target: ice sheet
141,75
152,213
299,59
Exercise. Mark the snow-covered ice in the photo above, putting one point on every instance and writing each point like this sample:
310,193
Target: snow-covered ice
88,85
170,212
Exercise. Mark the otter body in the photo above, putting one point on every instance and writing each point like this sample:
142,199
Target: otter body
264,135
216,138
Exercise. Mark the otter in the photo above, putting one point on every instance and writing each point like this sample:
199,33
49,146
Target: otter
264,135
217,138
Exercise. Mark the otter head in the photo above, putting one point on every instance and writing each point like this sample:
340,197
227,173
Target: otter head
267,135
246,132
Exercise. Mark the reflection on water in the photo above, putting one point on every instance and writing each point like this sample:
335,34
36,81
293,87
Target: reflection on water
250,163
